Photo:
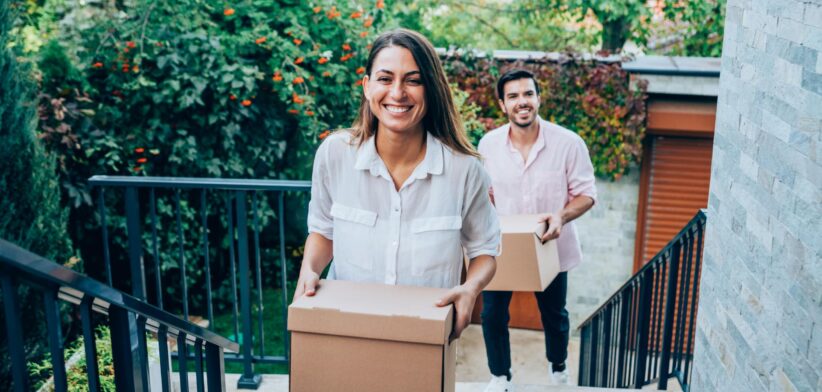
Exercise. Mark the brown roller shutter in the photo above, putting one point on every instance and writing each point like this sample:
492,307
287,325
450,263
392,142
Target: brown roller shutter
679,174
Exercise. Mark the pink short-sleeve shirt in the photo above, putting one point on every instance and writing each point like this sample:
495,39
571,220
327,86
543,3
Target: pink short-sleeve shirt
557,170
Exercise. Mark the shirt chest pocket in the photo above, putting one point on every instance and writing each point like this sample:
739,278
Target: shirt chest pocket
436,244
353,231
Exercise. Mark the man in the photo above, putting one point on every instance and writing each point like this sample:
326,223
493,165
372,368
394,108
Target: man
536,167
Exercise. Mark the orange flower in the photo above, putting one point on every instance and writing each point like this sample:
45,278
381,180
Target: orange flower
332,13
322,60
364,34
97,65
298,80
139,150
293,111
346,57
368,22
309,113
356,15
136,168
259,40
380,4
358,83
125,68
296,98
346,47
142,160
317,9
246,102
277,77
299,60
297,41
325,134
326,74
131,45
232,97
228,11
360,70
135,69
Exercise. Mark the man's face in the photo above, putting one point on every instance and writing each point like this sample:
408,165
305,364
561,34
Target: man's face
520,101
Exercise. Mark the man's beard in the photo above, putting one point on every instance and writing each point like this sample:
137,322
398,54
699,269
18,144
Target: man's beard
513,119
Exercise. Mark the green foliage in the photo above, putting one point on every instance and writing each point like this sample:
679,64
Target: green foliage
76,372
589,97
700,24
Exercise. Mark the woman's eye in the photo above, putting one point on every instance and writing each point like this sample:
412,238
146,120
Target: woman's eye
414,82
384,79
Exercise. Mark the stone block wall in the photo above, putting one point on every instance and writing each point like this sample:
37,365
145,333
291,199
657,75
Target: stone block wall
760,310
606,234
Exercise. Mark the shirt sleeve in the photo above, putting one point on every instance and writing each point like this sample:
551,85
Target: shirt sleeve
580,172
319,208
480,225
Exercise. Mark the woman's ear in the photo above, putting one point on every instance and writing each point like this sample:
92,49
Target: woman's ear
365,87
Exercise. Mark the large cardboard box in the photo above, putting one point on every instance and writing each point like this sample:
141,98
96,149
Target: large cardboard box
371,337
525,263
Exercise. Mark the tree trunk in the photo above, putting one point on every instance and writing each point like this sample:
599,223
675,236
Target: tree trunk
614,34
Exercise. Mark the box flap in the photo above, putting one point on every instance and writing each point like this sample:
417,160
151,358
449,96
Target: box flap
374,311
520,224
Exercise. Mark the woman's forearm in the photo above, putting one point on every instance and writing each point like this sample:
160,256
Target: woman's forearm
481,270
317,254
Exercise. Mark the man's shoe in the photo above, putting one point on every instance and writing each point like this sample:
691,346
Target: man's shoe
560,378
499,384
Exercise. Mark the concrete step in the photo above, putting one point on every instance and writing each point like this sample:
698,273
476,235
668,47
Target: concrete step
279,383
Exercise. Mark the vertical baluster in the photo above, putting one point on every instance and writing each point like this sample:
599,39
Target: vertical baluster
583,355
182,360
14,333
55,339
135,247
104,231
204,218
198,364
248,380
684,292
233,268
657,306
127,374
215,368
158,287
89,344
283,271
623,338
165,366
142,351
180,241
594,346
606,344
258,272
643,327
670,301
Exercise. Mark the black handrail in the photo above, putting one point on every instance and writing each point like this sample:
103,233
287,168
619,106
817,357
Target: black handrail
124,311
644,332
243,253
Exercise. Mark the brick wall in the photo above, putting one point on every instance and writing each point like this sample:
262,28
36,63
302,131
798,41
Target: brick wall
607,236
760,310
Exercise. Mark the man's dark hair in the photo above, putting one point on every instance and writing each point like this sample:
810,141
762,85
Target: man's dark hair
514,74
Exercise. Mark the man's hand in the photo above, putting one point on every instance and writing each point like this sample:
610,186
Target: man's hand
306,284
463,299
554,226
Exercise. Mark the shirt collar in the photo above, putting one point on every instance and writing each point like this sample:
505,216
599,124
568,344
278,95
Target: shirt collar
368,159
539,144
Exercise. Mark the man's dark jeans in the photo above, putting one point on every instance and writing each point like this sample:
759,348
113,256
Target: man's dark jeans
554,317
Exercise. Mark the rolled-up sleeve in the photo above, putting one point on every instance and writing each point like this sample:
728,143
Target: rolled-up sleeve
480,225
319,208
580,172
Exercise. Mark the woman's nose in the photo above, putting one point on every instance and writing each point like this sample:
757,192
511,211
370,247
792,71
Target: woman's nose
397,90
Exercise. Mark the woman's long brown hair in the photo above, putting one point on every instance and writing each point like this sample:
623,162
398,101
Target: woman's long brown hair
441,118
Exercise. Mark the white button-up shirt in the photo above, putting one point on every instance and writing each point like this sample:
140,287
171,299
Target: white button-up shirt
557,170
414,236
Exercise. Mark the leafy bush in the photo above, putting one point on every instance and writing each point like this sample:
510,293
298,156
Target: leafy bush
590,97
76,377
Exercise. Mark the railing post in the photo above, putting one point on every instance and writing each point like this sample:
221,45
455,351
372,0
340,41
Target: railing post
14,333
667,329
127,373
248,380
55,338
135,247
643,326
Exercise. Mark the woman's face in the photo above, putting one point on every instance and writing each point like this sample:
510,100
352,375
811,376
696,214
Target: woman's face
395,92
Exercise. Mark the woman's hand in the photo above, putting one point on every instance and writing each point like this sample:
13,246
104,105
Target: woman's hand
463,298
306,284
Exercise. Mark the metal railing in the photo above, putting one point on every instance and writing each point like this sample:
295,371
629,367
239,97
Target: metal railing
644,333
124,314
226,237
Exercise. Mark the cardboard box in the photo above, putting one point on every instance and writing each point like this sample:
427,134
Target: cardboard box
355,336
524,263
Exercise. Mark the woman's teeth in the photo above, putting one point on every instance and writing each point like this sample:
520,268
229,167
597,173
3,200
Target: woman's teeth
397,109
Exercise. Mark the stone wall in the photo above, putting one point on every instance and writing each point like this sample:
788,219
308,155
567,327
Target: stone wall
607,236
760,310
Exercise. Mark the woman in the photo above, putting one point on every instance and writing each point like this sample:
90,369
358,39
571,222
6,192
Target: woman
396,198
